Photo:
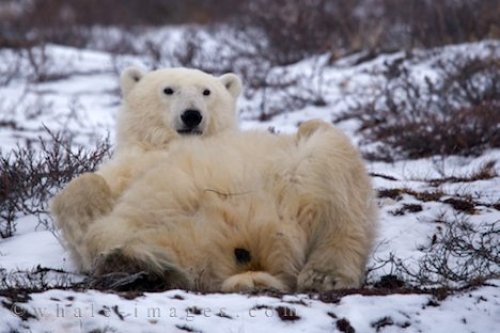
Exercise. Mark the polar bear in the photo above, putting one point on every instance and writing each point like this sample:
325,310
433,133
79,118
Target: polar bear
244,210
159,108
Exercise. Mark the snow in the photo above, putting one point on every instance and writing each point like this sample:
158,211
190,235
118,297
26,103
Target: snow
67,311
85,102
17,253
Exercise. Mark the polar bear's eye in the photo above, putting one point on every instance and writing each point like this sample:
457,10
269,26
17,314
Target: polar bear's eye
168,91
206,92
242,256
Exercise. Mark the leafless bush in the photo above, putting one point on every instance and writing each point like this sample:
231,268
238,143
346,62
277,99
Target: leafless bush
297,29
485,171
29,177
42,65
461,254
31,63
9,68
72,23
36,279
430,23
129,12
114,40
458,114
293,30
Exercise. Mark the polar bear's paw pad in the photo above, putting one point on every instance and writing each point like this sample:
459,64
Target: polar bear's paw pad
251,281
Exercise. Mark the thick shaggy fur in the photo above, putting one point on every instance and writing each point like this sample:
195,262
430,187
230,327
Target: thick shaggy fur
149,120
301,206
148,123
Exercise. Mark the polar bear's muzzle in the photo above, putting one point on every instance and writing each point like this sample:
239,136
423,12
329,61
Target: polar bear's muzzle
191,120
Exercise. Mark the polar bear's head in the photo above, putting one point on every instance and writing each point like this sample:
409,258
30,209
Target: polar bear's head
166,104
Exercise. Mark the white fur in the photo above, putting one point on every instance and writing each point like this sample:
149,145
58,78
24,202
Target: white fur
147,127
302,205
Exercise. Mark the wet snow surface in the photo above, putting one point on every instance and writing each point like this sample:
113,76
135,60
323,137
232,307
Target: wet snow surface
84,101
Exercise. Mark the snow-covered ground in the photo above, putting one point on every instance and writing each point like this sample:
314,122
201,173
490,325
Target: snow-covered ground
84,102
178,311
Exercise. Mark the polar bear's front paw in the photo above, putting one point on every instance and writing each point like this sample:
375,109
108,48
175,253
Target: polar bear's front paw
117,271
252,280
116,261
323,280
87,196
316,280
156,267
308,128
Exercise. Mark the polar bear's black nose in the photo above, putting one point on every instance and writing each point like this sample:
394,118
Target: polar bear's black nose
191,118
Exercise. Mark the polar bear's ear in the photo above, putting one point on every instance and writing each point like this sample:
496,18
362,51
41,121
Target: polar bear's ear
232,83
129,78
